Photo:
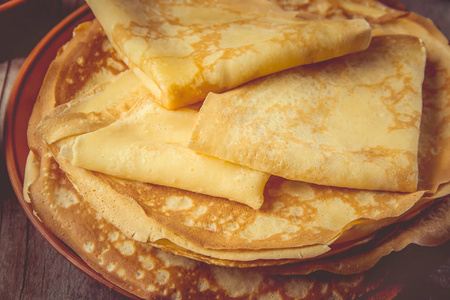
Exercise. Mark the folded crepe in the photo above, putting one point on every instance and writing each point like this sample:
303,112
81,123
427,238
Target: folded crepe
353,121
118,130
98,107
182,49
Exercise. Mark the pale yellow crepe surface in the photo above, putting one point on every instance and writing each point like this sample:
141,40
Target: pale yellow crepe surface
102,105
295,215
149,145
182,50
117,129
86,68
434,154
348,122
286,227
435,129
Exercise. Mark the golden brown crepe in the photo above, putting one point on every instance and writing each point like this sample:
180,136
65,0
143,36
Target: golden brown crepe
297,221
85,218
348,122
120,131
136,267
148,272
182,50
102,105
387,20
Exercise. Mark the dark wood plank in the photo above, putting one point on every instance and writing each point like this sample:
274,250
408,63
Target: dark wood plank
13,222
13,242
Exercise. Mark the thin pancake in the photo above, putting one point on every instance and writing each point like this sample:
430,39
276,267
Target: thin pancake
296,216
148,272
182,50
435,125
136,267
434,159
349,122
120,131
91,70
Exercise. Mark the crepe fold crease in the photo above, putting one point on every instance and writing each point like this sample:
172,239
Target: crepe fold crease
182,49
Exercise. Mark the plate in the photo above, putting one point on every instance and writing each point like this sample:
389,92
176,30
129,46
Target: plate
20,104
11,4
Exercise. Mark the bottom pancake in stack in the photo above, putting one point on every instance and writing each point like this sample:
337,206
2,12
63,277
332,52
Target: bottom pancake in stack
114,224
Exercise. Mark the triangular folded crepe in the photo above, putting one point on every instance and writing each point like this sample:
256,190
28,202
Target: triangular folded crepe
184,49
348,122
100,106
145,143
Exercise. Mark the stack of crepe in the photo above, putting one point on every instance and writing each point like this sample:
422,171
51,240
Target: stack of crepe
176,144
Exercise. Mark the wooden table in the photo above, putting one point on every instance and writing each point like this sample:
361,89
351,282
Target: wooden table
31,269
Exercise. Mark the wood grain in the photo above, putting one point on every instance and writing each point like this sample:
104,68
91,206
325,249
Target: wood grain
31,269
